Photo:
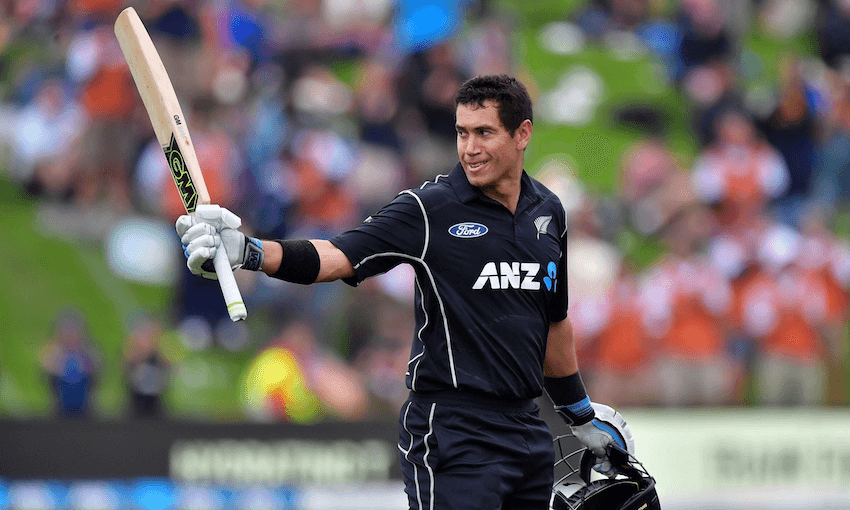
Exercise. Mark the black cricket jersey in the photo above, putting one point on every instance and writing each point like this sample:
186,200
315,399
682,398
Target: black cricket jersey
488,282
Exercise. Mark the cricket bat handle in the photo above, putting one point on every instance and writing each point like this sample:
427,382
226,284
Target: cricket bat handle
232,297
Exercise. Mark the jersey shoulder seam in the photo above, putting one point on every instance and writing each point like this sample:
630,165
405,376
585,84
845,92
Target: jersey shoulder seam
434,193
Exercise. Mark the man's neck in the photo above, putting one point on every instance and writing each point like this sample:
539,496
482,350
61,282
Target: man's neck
506,193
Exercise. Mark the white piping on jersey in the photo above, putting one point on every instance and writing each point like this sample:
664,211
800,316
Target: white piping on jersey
421,260
419,336
425,218
433,284
439,302
413,380
407,453
565,224
436,180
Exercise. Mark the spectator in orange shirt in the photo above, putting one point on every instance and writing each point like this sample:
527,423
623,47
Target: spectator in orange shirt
739,170
108,96
687,302
781,307
827,259
621,348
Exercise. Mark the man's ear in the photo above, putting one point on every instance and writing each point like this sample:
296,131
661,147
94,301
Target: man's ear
523,134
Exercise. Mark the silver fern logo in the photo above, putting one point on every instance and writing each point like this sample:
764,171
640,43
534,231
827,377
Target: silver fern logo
542,224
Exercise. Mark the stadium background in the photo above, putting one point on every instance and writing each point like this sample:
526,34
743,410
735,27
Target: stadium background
309,114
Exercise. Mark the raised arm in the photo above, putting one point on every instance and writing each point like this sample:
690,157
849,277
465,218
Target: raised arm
299,261
333,264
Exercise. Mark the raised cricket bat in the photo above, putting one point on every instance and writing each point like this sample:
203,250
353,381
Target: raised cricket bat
169,124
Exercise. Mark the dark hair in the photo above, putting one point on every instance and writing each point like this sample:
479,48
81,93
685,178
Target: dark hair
509,94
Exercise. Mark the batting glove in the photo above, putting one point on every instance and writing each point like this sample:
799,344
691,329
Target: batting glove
608,427
213,226
595,437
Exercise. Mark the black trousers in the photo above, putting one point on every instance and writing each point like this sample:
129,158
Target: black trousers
461,452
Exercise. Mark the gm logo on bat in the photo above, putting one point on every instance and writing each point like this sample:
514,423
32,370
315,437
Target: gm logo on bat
181,176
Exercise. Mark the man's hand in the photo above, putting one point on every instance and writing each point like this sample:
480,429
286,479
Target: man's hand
596,435
607,427
213,226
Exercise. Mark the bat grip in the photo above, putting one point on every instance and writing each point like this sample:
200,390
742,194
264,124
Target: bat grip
232,297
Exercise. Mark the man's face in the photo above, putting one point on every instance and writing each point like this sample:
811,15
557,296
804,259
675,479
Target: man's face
489,154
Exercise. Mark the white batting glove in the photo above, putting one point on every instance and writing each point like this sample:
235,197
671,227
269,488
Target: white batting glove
608,427
595,438
213,226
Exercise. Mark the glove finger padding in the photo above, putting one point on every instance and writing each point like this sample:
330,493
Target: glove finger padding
196,232
183,224
200,263
200,251
594,436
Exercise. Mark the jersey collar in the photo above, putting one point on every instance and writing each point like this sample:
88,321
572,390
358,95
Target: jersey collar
467,192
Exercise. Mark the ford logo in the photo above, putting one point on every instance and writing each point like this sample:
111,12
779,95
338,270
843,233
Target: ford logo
468,230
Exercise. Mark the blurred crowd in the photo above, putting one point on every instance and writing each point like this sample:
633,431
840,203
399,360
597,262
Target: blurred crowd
748,302
307,115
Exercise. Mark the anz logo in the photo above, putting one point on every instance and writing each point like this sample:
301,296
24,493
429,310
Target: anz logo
516,275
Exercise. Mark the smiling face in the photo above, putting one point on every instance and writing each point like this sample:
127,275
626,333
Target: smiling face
491,157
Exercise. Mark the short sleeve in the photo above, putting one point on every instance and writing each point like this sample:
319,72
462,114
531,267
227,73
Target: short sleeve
393,235
559,303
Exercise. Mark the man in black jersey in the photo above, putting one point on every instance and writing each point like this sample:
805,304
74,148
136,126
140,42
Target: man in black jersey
488,245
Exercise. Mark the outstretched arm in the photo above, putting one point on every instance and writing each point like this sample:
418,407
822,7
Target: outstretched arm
300,261
333,264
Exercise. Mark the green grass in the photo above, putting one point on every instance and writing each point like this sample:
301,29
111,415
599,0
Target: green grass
43,275
40,277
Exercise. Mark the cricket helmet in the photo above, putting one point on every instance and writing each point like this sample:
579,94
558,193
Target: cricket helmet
576,488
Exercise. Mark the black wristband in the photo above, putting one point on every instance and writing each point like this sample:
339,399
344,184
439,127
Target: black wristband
300,262
565,390
570,398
